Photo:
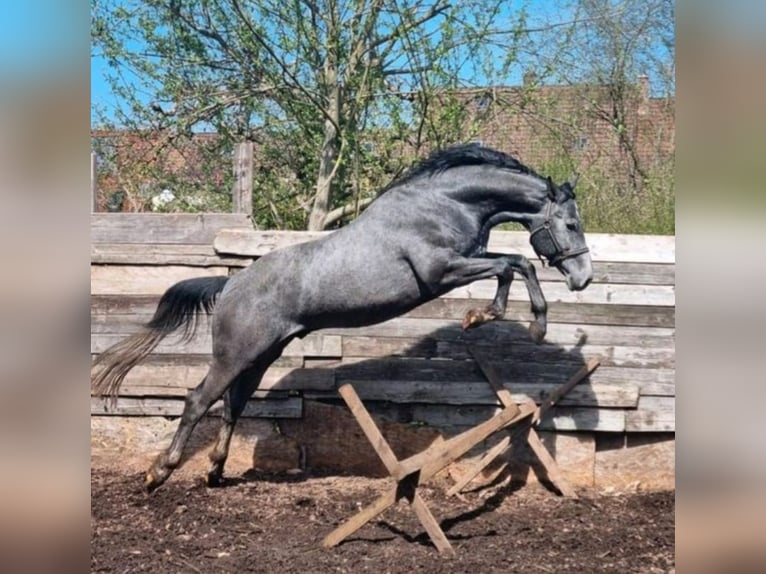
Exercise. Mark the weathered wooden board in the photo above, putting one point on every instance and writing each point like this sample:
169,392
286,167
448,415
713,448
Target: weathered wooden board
509,332
581,419
654,414
480,393
176,380
558,312
189,228
604,247
144,280
458,417
512,373
104,335
603,294
610,356
161,254
291,407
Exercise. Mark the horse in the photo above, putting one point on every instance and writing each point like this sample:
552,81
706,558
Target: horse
425,234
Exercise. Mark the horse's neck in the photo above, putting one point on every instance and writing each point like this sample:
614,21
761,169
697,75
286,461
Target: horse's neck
493,204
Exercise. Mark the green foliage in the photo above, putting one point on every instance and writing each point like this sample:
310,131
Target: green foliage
609,205
350,92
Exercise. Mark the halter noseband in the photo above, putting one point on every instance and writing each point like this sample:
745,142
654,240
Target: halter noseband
559,253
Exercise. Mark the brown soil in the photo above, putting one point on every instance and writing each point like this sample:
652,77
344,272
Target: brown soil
268,523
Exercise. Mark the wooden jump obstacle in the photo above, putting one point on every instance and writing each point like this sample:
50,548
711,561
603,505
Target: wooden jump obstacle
409,473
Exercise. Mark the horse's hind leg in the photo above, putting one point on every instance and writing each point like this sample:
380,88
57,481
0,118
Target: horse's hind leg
198,402
235,401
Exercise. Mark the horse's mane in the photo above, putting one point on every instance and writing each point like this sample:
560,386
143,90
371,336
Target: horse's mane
457,156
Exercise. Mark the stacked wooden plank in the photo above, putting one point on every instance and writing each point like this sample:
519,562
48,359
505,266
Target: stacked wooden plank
416,368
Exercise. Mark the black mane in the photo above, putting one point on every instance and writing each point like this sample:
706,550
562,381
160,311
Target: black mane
457,156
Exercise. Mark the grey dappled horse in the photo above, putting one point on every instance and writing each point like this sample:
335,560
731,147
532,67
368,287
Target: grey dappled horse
425,234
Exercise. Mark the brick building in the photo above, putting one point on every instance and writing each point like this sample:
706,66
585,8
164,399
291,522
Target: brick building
621,134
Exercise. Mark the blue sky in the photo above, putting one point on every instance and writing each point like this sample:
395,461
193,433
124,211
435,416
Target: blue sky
102,96
539,12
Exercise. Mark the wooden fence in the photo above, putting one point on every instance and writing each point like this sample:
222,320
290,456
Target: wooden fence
416,368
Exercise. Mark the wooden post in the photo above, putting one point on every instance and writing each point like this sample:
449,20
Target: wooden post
242,194
93,183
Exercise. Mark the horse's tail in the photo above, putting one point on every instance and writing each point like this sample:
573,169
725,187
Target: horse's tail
180,306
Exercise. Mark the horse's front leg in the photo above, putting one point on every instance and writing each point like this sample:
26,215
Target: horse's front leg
506,265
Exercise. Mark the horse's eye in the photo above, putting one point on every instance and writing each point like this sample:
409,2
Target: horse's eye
572,226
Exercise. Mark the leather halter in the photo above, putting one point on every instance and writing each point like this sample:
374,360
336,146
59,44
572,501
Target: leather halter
559,254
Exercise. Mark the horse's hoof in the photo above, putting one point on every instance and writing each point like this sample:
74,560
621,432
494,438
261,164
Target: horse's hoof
475,317
214,479
152,483
536,332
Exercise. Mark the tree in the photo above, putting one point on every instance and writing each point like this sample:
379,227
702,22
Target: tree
307,80
613,50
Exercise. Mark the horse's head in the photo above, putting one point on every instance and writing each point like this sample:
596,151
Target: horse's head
557,235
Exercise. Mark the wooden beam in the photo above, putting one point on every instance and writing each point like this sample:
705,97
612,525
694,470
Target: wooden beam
291,407
93,182
604,247
242,194
142,228
369,428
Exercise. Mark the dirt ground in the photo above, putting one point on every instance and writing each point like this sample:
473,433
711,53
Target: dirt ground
275,523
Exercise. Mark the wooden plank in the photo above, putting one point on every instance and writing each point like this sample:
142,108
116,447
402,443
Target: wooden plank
583,419
458,417
604,294
558,312
604,247
617,272
199,228
432,348
162,254
479,393
144,280
413,369
177,380
291,407
654,414
93,182
105,334
431,525
509,332
204,361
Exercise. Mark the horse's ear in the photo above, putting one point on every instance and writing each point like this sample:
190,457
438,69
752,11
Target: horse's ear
566,189
552,189
573,182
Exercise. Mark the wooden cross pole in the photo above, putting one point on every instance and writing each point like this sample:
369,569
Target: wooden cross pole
548,463
411,472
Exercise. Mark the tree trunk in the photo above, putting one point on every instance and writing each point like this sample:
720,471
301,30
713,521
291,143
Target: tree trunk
327,160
